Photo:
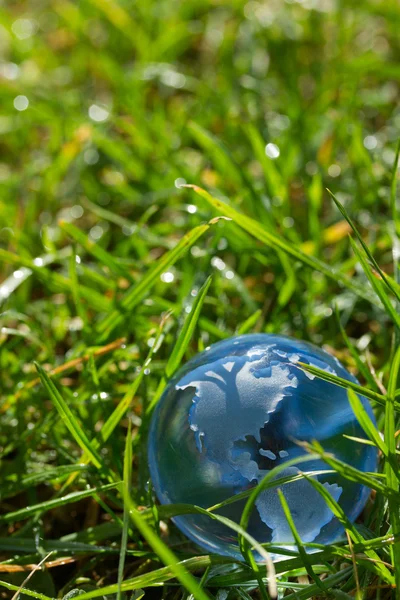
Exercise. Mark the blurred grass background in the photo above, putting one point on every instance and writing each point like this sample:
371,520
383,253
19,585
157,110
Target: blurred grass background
107,109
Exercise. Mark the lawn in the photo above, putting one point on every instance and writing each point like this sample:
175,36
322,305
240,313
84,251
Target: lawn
285,117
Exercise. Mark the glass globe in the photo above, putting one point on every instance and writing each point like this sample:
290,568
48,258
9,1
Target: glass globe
232,414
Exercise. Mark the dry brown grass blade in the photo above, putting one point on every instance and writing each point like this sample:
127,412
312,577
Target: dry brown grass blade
36,568
66,366
59,562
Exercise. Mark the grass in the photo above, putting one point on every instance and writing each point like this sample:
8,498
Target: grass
164,180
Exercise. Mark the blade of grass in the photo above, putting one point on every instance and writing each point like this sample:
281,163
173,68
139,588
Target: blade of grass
24,513
95,250
350,472
117,414
187,331
139,290
355,535
181,344
62,546
364,246
11,488
31,593
249,506
393,190
278,242
391,464
226,164
366,423
90,353
299,543
30,575
274,181
69,418
57,282
270,476
349,385
127,483
363,369
76,296
311,590
249,323
156,577
174,510
376,285
169,510
163,552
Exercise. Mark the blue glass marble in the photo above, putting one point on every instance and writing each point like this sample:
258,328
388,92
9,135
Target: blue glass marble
233,413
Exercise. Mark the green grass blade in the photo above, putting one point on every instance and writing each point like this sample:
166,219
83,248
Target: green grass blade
349,385
168,511
95,250
376,285
220,155
366,423
11,488
120,410
299,543
249,323
351,473
255,492
173,510
41,507
310,590
274,180
393,190
364,246
187,331
27,592
127,483
69,418
181,344
139,290
356,536
391,465
155,578
164,553
278,242
57,282
271,475
226,164
363,369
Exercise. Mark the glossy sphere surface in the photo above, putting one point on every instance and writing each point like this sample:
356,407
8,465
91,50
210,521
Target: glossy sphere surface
236,411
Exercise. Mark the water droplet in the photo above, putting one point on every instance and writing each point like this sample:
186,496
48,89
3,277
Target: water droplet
179,182
23,28
218,263
96,232
334,170
167,277
98,113
370,142
272,151
76,211
9,70
91,156
21,103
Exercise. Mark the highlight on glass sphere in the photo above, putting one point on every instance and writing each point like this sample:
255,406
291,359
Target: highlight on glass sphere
233,413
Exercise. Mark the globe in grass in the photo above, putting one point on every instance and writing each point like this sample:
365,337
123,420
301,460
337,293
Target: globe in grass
236,411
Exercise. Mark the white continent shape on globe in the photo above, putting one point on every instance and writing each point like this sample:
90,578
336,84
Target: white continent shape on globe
234,399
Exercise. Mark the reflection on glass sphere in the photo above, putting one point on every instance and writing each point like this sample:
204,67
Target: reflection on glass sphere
236,411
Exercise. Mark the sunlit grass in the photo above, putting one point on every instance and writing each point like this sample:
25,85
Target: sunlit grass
113,272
